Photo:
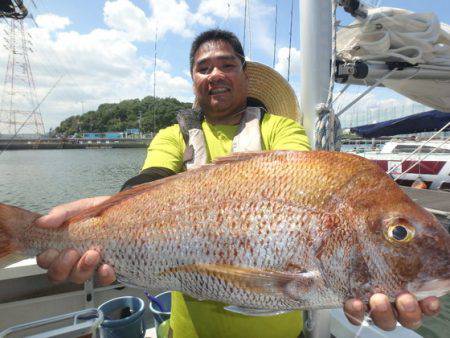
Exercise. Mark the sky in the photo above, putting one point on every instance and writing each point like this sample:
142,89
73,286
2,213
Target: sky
94,51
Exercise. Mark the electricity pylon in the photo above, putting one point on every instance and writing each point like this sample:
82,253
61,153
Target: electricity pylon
19,112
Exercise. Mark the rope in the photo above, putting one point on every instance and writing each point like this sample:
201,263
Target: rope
328,130
290,41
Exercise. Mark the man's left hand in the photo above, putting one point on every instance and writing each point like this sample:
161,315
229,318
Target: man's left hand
406,310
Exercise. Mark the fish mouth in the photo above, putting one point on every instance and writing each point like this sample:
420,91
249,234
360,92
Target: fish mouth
435,287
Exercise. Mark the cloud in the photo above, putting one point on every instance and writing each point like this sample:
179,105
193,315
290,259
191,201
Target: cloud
261,33
172,16
52,22
123,15
221,9
103,65
166,16
165,84
283,61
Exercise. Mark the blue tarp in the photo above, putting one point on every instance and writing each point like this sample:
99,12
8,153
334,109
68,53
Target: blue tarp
427,121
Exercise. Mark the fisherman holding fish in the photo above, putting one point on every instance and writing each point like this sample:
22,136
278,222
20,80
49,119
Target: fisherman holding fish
240,106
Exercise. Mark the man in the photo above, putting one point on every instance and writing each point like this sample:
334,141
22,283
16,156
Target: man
225,123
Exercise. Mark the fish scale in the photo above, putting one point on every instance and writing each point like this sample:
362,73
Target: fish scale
276,230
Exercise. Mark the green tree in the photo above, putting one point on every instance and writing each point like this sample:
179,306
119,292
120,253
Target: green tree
155,113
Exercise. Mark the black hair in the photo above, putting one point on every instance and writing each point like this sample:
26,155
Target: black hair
214,35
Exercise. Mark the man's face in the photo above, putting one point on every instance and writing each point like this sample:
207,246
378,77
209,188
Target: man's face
220,83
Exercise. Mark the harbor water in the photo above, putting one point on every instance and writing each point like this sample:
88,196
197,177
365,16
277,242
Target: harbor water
40,179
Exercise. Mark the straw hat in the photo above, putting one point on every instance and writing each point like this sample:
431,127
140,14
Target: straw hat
267,86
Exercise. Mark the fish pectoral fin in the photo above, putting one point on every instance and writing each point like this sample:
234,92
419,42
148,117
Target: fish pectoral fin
287,283
246,311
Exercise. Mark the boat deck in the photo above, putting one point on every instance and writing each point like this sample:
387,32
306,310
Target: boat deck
430,199
435,201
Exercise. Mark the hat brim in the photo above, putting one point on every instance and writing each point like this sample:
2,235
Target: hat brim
267,86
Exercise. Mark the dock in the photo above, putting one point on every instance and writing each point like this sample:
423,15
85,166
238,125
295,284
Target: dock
75,143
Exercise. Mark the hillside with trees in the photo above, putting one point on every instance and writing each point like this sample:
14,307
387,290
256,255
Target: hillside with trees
125,115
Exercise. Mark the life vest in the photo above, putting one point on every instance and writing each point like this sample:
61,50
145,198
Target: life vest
248,136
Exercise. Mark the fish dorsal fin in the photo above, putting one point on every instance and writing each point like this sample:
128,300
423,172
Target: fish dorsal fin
237,157
254,279
142,188
118,198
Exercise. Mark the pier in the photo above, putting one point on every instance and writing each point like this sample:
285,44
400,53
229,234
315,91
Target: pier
74,143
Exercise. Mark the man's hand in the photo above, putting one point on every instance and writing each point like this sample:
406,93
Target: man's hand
69,264
407,310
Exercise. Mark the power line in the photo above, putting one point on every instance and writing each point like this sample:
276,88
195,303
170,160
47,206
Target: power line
275,38
290,41
249,32
154,83
245,23
31,114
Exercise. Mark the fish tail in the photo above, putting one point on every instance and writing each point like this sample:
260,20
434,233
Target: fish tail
13,222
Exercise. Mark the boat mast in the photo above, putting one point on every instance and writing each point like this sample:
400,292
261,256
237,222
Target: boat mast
315,46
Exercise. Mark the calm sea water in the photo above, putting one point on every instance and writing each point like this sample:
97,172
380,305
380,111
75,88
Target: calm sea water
40,179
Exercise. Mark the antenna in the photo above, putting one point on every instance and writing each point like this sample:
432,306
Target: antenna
19,91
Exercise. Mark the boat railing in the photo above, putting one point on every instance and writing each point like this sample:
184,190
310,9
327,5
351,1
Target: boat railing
83,322
419,149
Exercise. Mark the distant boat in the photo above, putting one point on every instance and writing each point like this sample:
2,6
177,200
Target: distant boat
432,168
410,161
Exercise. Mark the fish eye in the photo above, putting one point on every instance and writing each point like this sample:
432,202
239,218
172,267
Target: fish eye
400,232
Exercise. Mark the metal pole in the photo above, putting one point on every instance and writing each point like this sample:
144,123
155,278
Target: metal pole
315,46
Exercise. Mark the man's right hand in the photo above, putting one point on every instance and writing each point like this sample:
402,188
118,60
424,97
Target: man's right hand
70,264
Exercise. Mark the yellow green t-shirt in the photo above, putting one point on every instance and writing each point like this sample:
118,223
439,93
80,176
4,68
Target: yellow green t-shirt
277,133
191,318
